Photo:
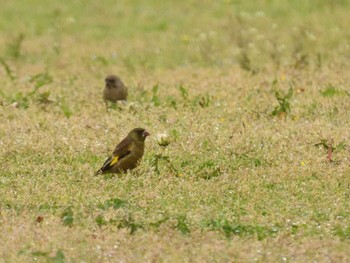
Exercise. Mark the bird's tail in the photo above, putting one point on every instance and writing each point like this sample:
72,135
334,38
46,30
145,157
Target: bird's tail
98,172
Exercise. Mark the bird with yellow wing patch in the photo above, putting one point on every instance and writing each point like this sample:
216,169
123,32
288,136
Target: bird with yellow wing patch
127,154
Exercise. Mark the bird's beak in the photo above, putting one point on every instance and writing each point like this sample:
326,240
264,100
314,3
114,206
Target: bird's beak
145,134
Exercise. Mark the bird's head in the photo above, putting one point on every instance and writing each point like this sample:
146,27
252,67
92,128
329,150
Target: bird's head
113,81
139,134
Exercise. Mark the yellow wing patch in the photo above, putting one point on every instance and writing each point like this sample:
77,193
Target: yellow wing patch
114,160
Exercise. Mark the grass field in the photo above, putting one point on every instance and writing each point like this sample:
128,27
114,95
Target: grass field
247,103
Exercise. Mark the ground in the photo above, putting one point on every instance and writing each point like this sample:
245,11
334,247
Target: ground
247,103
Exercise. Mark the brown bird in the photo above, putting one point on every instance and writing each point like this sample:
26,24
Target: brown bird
127,154
115,89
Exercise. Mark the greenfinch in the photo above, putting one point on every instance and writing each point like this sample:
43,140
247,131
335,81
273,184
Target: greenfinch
115,89
127,154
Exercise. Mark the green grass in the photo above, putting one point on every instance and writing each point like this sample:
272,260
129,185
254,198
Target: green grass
247,104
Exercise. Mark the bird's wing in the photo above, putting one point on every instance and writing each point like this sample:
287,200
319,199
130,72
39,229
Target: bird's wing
106,165
122,150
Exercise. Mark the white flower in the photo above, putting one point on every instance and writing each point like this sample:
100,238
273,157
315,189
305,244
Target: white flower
162,139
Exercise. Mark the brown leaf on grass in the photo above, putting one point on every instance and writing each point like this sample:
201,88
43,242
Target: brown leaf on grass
300,90
39,219
282,115
330,152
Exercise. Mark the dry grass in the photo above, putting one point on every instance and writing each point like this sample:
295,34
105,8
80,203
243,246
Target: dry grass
233,183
